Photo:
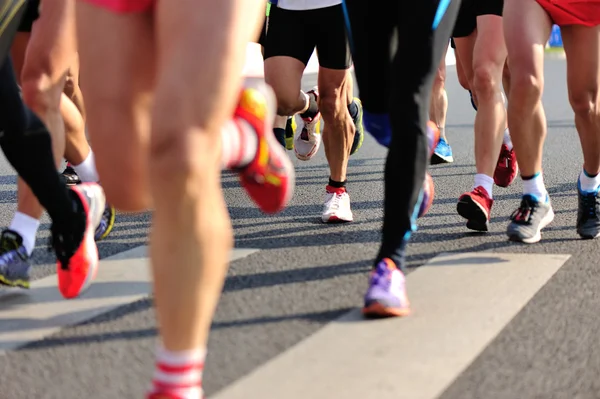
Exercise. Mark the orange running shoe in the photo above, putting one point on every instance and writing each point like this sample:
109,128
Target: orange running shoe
77,271
270,178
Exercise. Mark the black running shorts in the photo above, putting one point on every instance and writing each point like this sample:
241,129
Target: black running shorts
31,14
466,22
296,34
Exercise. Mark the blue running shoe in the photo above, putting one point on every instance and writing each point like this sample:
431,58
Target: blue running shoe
442,153
386,296
14,260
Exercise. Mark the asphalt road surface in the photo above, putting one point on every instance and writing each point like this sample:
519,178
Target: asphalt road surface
492,319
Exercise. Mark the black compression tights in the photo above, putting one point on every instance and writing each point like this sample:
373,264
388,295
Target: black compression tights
28,147
396,52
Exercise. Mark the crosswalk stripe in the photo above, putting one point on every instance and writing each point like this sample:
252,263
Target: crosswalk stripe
28,316
460,301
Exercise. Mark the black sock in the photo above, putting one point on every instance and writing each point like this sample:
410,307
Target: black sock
280,135
353,109
313,107
337,184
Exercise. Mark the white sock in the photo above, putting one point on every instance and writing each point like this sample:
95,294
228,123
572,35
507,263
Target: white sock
535,186
240,143
87,169
507,139
27,228
484,181
179,373
588,184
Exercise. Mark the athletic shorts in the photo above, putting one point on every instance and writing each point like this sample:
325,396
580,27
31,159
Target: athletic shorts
466,22
30,15
296,34
124,6
263,33
573,12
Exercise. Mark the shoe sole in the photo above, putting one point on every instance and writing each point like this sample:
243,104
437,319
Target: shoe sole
377,311
15,283
336,220
476,217
438,159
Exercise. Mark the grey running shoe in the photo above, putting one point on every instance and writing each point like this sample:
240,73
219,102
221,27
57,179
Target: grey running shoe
528,221
588,222
14,260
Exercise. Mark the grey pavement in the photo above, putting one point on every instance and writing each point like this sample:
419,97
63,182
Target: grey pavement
306,275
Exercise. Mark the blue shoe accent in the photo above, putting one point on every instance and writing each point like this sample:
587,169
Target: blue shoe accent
442,153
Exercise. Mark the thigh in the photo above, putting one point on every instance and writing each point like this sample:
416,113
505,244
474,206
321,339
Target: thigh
582,50
332,42
53,44
526,30
117,59
490,46
199,89
288,36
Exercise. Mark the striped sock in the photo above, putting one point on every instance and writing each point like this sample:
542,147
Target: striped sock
179,373
240,144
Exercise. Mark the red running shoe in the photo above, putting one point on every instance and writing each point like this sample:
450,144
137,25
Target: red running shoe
507,168
270,178
476,207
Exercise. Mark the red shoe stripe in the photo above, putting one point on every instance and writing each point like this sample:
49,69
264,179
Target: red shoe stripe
180,369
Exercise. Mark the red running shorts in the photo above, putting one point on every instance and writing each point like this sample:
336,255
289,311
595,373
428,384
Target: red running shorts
573,12
124,6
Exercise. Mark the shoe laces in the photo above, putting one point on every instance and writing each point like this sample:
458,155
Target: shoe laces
334,202
590,203
8,250
525,211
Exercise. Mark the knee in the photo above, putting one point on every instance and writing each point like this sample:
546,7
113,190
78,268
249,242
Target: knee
584,102
182,156
525,86
485,80
330,104
39,95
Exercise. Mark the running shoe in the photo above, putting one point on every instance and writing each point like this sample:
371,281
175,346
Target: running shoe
442,153
269,178
71,176
337,206
528,221
290,129
308,139
14,260
588,211
77,267
507,168
106,223
386,296
476,207
359,135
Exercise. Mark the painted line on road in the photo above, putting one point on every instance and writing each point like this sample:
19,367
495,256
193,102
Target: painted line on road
461,303
29,316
